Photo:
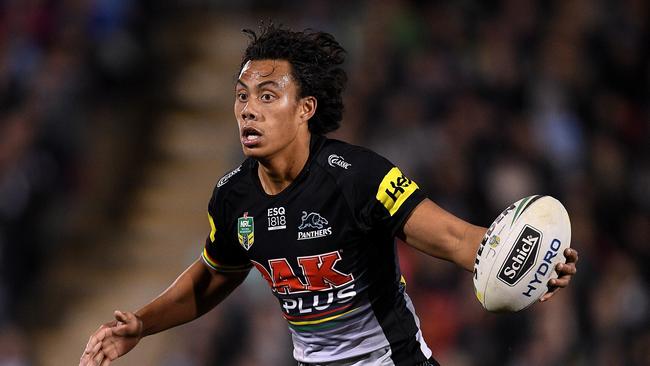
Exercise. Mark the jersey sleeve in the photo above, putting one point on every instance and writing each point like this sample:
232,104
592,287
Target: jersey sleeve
383,197
221,252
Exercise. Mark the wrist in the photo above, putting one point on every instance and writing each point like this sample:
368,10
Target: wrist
141,326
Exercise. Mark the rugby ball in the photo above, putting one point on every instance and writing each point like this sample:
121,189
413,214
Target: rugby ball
519,252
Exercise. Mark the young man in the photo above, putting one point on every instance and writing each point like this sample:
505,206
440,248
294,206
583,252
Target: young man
316,217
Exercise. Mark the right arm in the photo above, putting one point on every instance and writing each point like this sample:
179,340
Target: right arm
195,292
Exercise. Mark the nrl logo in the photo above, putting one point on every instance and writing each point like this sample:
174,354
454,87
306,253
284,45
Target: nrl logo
313,220
246,231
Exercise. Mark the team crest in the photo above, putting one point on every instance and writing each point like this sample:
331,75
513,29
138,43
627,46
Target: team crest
313,220
246,231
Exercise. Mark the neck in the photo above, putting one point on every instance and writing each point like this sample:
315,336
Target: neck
277,172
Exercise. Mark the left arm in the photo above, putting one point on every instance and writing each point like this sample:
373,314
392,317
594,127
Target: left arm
436,232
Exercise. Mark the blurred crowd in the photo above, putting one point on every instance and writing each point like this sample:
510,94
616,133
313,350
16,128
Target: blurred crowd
62,64
488,103
481,103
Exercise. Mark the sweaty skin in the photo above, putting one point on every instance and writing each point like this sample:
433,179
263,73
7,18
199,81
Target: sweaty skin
273,121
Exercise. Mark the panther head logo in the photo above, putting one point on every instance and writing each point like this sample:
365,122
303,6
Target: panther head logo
312,220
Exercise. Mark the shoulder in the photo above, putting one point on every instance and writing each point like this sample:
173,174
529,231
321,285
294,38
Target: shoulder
342,159
358,171
233,179
374,187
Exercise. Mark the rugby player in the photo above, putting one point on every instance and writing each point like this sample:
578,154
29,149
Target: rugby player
316,217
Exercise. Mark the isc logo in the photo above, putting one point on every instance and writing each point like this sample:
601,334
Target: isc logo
521,257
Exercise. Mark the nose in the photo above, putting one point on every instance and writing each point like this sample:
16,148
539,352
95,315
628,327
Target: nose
249,113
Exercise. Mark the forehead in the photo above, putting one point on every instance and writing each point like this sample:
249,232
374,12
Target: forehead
261,70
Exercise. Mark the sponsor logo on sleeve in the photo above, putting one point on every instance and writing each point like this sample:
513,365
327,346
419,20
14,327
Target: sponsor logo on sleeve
314,221
246,231
337,160
394,189
225,178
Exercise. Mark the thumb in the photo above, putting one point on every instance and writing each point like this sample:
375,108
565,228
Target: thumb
121,316
127,324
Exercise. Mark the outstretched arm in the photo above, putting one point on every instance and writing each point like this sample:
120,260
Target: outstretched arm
438,233
195,292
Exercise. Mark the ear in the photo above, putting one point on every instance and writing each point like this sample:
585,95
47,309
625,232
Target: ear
307,108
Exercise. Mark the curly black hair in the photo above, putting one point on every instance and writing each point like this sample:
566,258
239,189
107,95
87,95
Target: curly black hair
315,59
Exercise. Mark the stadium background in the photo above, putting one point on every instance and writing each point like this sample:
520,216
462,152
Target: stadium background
116,120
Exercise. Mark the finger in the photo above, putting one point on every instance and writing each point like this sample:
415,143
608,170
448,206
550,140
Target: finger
110,348
97,360
103,331
129,324
559,282
89,348
121,330
571,255
565,269
121,316
125,329
92,339
90,351
96,338
85,359
92,348
96,348
89,354
122,323
548,295
106,362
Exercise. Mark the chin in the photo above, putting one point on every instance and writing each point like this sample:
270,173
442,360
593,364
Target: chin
255,152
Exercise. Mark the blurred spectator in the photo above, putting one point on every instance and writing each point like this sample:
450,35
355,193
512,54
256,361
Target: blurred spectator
47,97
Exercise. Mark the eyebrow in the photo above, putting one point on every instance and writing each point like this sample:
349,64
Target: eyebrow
260,85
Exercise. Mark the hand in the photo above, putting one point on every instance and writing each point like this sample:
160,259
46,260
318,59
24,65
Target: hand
564,271
112,340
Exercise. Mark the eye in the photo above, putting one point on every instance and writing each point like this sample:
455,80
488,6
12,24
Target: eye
267,97
242,96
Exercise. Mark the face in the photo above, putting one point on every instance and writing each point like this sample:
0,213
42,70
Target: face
269,113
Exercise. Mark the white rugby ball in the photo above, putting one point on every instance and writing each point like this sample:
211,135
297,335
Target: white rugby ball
518,255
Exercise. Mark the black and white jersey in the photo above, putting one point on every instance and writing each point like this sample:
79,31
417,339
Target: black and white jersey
326,247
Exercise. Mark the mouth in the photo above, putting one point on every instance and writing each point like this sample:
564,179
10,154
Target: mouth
250,136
